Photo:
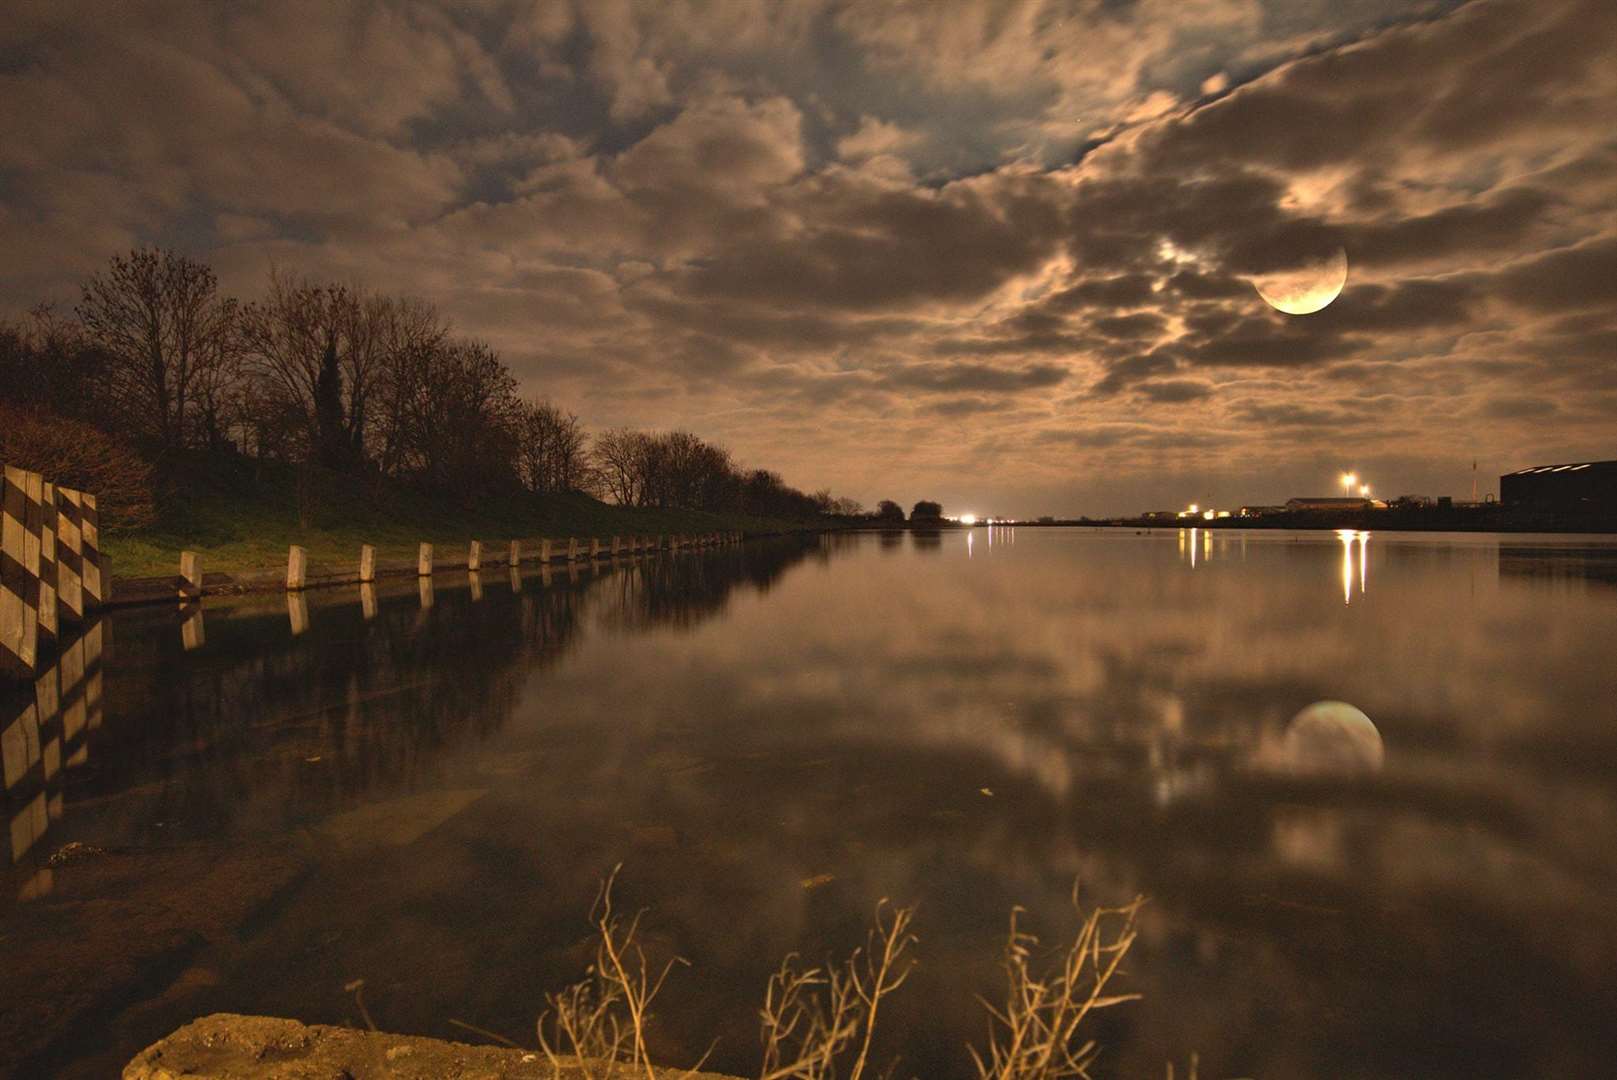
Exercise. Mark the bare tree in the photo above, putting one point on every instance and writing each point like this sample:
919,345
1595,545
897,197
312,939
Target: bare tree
166,332
621,459
320,350
409,335
457,415
551,449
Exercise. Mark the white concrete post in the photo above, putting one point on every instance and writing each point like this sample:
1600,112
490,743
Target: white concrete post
367,564
423,561
297,568
190,575
474,556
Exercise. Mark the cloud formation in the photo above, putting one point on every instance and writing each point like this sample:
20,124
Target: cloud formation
996,254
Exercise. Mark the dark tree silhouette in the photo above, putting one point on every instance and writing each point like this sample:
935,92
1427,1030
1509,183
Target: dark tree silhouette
926,511
888,510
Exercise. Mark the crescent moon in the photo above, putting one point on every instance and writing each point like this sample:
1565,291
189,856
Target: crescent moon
1309,288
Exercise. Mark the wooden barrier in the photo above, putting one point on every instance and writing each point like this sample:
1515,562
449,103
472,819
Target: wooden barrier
69,558
19,577
49,621
96,592
297,569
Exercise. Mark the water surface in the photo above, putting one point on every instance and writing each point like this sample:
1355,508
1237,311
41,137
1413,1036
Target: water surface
422,789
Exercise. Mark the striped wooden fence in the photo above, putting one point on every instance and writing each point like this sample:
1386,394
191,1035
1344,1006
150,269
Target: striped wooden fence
51,567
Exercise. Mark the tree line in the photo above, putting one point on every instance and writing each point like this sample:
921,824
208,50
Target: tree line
159,361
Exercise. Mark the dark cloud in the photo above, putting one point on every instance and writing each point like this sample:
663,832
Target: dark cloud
812,229
1174,391
1126,372
1519,408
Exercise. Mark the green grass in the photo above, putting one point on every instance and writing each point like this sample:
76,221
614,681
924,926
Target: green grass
241,516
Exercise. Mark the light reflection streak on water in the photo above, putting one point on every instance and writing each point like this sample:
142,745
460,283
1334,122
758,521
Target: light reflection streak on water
1348,536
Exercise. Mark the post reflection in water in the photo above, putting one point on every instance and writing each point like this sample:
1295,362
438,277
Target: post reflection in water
771,737
297,611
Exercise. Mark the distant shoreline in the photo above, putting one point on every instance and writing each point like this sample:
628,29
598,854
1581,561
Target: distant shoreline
1369,521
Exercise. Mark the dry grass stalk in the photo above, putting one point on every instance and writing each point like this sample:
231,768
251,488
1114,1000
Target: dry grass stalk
1035,1034
812,1018
604,1017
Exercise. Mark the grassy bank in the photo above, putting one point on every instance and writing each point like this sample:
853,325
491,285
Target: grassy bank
241,516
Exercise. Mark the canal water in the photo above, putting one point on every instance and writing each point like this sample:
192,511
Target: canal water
420,788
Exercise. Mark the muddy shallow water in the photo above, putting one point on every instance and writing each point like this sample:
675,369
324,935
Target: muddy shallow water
421,790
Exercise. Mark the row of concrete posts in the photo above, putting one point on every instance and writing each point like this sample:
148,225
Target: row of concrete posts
51,568
545,552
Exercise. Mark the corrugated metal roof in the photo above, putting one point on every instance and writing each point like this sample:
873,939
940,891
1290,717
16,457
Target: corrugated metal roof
1575,466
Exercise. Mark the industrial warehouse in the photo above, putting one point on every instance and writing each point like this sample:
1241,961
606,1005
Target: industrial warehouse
1579,488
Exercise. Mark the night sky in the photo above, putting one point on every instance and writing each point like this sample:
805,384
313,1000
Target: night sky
996,254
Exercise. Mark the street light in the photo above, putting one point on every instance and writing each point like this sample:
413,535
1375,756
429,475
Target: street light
1348,480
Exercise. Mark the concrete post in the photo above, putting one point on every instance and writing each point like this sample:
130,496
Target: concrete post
190,576
423,561
69,556
514,557
367,600
474,556
19,580
297,568
49,629
424,587
475,580
616,547
516,578
367,564
572,548
595,549
661,541
544,551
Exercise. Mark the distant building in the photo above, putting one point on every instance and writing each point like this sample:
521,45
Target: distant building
1260,511
1159,515
1584,487
1326,502
1414,502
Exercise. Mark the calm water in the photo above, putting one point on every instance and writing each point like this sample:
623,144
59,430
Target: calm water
771,738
